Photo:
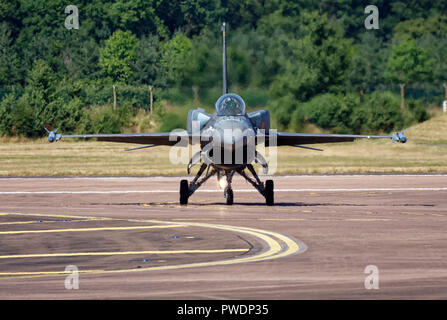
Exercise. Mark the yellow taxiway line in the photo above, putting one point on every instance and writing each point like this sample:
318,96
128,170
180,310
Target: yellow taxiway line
275,246
16,222
91,229
113,253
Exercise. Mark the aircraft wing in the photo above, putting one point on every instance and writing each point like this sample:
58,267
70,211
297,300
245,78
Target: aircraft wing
153,139
172,138
298,139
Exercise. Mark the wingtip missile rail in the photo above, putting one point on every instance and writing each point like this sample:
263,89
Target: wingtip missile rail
53,135
399,137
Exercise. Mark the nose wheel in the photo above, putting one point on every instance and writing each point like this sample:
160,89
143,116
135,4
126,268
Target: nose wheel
228,192
229,196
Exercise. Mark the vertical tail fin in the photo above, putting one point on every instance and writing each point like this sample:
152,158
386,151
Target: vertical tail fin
224,67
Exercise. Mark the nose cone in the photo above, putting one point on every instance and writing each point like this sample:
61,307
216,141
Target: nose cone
231,133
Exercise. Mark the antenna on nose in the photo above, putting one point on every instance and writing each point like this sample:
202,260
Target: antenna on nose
224,69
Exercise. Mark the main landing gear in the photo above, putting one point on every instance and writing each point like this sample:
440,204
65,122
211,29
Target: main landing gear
187,190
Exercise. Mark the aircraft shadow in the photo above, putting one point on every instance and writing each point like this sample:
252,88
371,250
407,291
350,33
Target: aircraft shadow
255,204
277,204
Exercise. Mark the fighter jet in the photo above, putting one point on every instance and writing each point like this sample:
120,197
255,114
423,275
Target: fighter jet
227,142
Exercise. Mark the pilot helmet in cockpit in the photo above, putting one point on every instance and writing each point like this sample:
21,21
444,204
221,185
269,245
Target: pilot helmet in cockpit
230,105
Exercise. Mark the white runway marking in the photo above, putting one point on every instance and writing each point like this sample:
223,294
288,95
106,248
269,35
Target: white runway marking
212,191
185,177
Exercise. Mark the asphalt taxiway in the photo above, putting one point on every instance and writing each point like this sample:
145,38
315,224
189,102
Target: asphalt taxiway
130,239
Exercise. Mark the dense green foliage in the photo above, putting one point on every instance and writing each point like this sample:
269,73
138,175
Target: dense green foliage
307,61
379,112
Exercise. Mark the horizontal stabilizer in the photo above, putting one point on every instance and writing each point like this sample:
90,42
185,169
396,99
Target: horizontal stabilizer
141,147
306,147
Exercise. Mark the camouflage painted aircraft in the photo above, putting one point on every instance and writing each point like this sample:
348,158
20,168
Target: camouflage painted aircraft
227,140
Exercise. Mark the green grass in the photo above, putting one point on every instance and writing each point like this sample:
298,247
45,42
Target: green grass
425,152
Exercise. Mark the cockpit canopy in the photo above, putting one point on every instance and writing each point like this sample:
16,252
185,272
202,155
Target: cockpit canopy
230,105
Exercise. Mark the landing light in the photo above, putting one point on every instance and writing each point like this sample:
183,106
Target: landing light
222,183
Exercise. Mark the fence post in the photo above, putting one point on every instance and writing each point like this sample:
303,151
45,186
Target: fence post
152,98
445,88
114,97
195,89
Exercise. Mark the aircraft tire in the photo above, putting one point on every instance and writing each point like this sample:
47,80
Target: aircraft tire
184,192
229,196
269,199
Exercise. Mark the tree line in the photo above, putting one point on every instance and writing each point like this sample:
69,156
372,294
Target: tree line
308,62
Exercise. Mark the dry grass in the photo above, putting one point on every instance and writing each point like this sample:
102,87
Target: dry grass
426,151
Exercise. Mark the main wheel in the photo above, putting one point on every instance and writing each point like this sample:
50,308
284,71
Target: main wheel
184,192
269,199
229,196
